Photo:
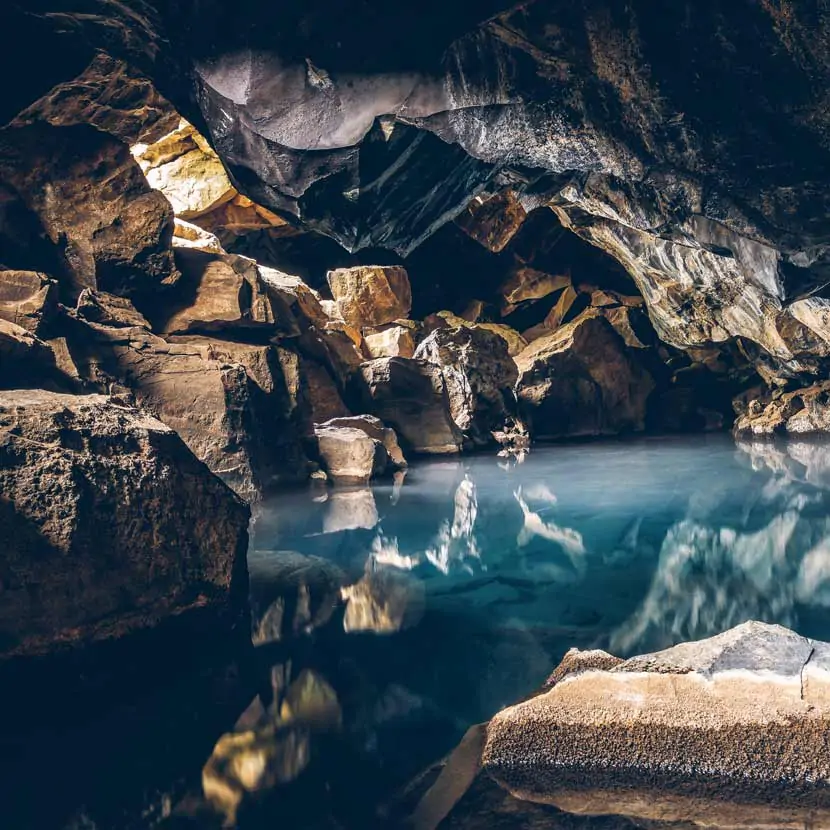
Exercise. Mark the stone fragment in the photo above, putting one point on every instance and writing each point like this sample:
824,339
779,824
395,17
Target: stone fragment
526,284
411,396
186,235
371,295
389,341
492,220
374,428
303,300
27,298
109,525
25,361
350,455
479,376
109,310
515,342
582,380
239,216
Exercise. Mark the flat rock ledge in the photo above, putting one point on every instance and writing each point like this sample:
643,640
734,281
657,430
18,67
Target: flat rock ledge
730,731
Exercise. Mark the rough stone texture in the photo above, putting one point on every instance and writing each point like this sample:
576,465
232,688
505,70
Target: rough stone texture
374,428
101,226
371,295
801,411
389,341
479,376
515,342
187,235
108,523
525,283
743,708
24,359
27,299
227,400
582,380
184,167
304,300
221,291
493,221
411,396
350,455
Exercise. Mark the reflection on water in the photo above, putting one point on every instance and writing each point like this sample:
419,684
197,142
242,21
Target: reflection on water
461,587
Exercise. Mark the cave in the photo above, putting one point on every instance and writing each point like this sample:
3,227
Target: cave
414,415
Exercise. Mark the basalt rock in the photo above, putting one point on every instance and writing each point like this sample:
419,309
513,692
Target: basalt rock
412,397
109,526
479,375
582,380
92,220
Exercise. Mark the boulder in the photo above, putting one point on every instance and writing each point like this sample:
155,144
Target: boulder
515,342
109,525
102,225
374,428
183,166
741,716
493,220
227,400
218,292
371,295
239,216
582,380
411,396
304,301
350,455
801,411
389,341
27,298
479,375
187,235
525,284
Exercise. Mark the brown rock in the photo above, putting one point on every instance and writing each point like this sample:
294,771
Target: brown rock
801,411
479,376
371,295
492,221
105,228
27,298
389,341
25,361
219,292
527,284
582,380
304,301
411,396
187,235
515,342
374,428
350,455
239,216
108,525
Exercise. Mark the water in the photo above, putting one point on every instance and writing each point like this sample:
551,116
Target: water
498,566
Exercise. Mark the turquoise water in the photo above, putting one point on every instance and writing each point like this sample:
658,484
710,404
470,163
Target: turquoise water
505,563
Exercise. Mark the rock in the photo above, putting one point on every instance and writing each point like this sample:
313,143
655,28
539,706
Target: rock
227,400
184,167
479,376
374,428
515,342
239,216
103,227
559,312
350,509
291,594
219,292
582,380
186,235
747,709
371,295
474,311
349,454
109,310
109,526
384,602
492,221
27,298
526,284
25,361
411,396
801,411
389,341
305,301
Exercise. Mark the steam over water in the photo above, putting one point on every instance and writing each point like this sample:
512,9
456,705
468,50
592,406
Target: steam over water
498,566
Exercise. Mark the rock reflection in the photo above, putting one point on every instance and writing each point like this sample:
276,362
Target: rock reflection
384,601
456,542
350,510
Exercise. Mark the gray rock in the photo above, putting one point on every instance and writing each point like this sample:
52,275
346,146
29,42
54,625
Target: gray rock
350,455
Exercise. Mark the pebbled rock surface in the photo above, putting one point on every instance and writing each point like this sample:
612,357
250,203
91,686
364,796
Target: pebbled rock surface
109,525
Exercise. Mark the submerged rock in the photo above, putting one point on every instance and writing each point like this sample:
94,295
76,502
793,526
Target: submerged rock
109,525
